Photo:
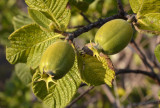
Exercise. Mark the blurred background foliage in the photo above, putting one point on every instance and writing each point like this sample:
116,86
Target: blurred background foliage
128,89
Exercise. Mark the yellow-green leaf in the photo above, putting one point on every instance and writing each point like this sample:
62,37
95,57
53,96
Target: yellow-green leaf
149,23
28,43
54,10
149,6
97,69
23,72
21,20
142,7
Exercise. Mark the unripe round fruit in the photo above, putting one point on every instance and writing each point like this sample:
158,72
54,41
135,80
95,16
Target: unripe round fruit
57,60
114,36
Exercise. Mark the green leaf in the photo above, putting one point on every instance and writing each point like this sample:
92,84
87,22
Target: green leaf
135,5
21,20
81,4
142,7
149,23
28,44
149,6
157,52
39,87
95,72
61,93
23,72
39,18
97,69
55,10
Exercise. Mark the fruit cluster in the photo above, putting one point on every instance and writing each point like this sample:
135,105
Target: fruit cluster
111,38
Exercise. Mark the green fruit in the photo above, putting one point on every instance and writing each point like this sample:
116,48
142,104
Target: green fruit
57,60
114,36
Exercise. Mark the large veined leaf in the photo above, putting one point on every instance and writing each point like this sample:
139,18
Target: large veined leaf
142,7
157,52
21,20
54,10
149,23
148,15
149,6
23,72
59,93
28,43
97,69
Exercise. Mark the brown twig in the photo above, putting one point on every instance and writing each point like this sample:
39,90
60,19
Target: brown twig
144,103
74,27
84,16
79,97
96,24
149,74
88,27
144,59
141,55
110,96
116,94
120,8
